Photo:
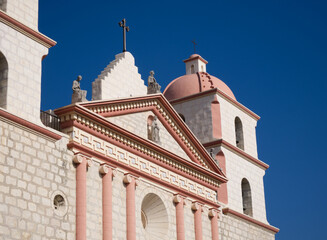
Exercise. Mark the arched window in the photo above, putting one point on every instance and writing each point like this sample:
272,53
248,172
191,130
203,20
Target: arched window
3,80
192,68
3,5
246,197
182,116
239,133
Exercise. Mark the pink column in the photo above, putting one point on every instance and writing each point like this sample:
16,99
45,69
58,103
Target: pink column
179,204
80,197
106,202
130,208
197,208
213,214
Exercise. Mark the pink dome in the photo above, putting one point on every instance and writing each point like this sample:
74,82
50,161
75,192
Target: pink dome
195,83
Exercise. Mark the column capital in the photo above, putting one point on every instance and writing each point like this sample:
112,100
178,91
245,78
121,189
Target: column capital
178,198
213,212
129,177
196,206
104,169
79,158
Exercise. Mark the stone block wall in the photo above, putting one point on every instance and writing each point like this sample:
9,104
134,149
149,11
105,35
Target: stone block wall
228,114
234,228
26,11
34,169
24,57
238,168
197,113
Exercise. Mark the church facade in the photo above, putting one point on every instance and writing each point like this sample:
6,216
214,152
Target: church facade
132,163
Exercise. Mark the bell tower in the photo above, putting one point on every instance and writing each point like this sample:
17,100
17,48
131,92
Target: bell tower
22,48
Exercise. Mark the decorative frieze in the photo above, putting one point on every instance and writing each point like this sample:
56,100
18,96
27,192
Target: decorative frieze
115,108
145,166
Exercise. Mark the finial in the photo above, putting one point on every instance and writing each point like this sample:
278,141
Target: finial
194,43
122,24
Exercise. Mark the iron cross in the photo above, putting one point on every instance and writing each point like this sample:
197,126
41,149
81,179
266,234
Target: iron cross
125,29
194,44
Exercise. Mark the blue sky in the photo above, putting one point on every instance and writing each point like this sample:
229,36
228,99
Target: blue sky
272,54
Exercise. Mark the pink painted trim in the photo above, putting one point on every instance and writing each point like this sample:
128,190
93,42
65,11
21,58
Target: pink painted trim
214,227
107,205
216,118
222,190
130,211
198,223
23,27
180,230
215,90
196,57
247,218
28,124
138,173
81,200
167,107
236,149
221,177
152,159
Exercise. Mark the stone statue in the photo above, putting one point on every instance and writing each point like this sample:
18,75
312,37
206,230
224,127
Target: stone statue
78,94
211,153
153,86
155,131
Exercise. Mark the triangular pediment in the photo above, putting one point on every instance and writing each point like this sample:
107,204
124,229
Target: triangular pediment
131,115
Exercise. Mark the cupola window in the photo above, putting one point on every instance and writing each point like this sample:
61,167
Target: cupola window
192,69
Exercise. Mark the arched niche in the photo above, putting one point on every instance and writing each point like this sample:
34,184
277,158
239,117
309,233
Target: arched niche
154,217
239,133
3,80
246,197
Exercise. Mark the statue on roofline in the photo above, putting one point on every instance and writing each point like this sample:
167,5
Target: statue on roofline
153,86
78,94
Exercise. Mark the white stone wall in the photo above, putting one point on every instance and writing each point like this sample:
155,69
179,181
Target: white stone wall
228,114
25,11
234,228
137,124
24,74
197,113
33,169
238,168
120,79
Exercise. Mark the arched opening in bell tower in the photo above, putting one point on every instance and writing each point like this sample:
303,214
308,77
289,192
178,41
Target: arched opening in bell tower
3,80
3,5
246,197
239,133
192,69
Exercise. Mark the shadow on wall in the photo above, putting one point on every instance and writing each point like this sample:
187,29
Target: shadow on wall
3,5
3,80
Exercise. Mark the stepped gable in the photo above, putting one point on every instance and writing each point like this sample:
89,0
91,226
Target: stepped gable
119,79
